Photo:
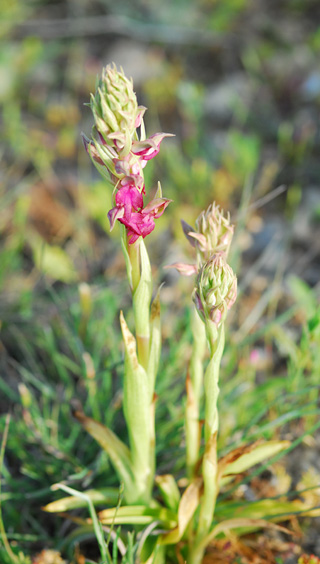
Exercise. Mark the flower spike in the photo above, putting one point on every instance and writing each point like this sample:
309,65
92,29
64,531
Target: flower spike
116,146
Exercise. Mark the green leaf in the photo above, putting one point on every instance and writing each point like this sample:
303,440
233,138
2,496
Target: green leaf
138,515
155,343
95,522
126,254
274,509
187,506
243,458
170,491
142,295
105,496
118,452
157,556
136,406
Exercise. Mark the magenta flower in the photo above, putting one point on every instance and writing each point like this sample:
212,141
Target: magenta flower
123,151
128,199
129,210
141,223
149,148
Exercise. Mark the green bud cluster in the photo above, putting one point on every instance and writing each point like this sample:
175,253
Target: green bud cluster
216,289
115,108
213,232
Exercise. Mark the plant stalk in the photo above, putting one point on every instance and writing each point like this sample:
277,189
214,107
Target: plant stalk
194,390
209,465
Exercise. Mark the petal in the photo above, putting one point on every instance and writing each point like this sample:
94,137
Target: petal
183,268
114,214
140,115
140,224
128,195
156,207
91,150
150,147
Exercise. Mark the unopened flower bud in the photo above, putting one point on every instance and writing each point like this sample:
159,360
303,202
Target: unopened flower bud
115,109
213,233
216,289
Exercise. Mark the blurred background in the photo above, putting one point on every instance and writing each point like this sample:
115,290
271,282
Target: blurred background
238,83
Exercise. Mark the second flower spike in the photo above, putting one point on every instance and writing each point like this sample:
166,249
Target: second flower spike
216,289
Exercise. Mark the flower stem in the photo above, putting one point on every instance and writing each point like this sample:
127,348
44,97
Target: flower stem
140,420
134,255
194,389
209,465
211,379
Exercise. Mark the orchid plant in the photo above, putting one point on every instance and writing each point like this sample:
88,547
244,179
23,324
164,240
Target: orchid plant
185,515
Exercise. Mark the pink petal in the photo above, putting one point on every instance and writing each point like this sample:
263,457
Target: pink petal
183,268
149,148
91,150
156,207
139,225
114,214
130,198
140,115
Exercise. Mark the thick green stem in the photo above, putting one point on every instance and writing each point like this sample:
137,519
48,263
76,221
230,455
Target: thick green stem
134,255
195,555
198,352
139,412
141,298
211,379
143,343
209,466
194,390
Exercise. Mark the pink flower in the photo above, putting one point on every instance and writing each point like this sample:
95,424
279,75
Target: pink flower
184,268
139,225
128,199
128,210
149,148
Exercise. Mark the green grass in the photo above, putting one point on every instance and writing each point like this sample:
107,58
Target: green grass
46,445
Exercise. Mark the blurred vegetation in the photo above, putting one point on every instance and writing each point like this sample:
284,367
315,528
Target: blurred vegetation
239,85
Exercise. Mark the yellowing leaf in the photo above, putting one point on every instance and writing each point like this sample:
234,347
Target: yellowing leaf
275,509
106,495
138,515
242,523
244,457
188,505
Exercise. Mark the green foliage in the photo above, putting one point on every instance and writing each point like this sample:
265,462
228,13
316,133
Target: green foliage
50,352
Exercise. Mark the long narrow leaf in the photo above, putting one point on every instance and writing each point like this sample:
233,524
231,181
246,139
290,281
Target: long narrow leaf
118,452
105,496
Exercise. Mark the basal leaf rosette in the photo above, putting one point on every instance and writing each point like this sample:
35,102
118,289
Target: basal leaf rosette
216,289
